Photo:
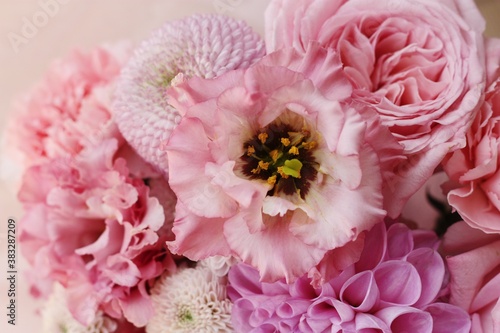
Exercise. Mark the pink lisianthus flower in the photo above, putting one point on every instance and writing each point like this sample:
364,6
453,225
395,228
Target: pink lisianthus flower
473,258
394,287
275,171
419,63
200,45
70,108
474,173
95,229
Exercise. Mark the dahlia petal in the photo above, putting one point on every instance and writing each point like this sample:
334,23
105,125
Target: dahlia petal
400,241
400,319
448,318
292,308
374,249
431,268
330,309
398,282
367,323
360,291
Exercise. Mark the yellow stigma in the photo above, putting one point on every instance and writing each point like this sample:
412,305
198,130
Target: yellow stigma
294,150
285,141
263,165
250,150
262,137
271,180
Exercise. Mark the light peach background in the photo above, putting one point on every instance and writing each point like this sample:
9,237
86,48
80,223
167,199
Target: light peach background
85,23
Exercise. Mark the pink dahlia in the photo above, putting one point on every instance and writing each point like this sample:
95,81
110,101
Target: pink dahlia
70,108
474,170
268,165
95,229
200,45
394,287
419,63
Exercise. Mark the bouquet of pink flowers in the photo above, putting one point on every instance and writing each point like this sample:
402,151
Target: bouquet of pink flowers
211,180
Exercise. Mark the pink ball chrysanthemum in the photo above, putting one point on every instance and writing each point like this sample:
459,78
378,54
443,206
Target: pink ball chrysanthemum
201,45
394,287
96,229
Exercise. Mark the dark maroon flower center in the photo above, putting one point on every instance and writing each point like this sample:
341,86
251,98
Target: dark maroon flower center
283,157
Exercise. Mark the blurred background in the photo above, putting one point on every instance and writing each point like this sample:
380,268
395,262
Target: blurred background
85,23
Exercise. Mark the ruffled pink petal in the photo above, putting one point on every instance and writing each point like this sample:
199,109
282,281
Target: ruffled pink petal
268,250
137,307
188,154
191,235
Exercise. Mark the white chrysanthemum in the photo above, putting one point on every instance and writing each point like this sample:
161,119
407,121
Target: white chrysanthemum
219,265
193,300
200,45
58,319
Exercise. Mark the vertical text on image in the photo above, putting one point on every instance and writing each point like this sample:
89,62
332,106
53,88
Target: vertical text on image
11,271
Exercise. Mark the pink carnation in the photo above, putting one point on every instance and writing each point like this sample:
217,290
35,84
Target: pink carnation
394,287
70,108
269,161
199,45
474,172
419,63
96,230
474,262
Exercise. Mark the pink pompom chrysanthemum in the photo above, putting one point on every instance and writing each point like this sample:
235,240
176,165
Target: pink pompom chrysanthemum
93,227
70,108
394,287
200,45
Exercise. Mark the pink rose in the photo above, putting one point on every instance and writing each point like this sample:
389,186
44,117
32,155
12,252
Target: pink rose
70,108
93,227
281,164
474,191
419,63
474,264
